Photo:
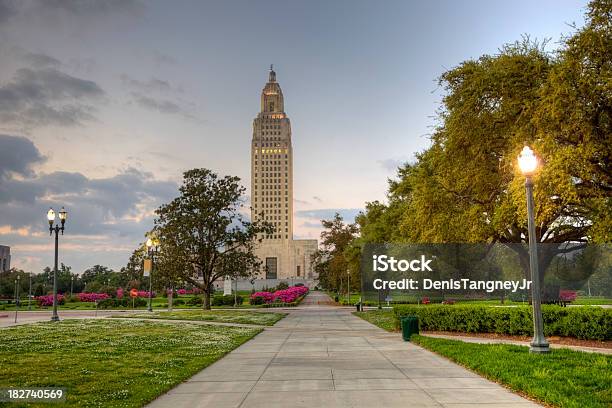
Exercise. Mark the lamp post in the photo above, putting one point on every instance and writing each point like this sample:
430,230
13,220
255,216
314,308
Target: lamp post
17,296
348,286
71,283
152,246
528,163
30,293
56,228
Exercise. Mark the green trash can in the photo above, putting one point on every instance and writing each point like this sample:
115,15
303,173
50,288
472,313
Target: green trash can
410,326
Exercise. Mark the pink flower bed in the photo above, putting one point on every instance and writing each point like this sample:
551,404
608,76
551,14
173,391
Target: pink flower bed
47,300
188,291
92,297
145,293
286,295
120,293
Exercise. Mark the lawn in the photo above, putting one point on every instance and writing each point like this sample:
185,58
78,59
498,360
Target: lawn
111,363
384,319
563,378
223,316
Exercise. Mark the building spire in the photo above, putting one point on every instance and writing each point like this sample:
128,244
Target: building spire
272,77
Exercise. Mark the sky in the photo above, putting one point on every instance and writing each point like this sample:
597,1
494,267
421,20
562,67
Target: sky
104,104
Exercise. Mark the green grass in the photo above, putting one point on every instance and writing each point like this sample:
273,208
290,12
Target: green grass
563,378
592,301
384,319
224,316
111,363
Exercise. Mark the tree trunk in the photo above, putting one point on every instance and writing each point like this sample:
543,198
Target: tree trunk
170,297
206,303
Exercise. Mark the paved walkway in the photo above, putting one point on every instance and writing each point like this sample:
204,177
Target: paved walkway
323,356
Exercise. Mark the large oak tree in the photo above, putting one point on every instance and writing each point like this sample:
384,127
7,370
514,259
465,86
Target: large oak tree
466,186
203,235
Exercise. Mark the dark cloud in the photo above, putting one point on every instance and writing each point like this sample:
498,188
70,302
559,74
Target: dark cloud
161,59
348,214
121,204
161,105
47,96
152,85
17,155
50,10
158,105
91,8
7,10
40,60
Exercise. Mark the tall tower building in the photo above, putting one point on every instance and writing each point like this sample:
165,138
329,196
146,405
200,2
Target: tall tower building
272,190
272,163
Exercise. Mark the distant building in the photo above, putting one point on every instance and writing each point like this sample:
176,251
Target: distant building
5,258
272,190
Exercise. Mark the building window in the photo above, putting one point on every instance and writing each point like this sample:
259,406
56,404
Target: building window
298,270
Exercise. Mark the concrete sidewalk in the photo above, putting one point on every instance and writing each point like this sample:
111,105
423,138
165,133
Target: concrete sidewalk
322,356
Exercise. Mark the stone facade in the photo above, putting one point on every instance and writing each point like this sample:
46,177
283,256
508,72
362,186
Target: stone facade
272,189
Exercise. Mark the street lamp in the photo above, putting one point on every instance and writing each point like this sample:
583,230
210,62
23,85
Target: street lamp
152,247
56,228
30,293
528,163
71,284
348,286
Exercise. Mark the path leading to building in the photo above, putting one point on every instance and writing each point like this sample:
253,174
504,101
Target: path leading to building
323,356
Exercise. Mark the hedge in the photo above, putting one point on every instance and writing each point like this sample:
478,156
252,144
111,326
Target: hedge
589,323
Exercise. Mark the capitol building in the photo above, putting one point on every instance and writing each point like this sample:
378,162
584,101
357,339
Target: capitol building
272,190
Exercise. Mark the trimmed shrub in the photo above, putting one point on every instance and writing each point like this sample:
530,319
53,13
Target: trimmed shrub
257,300
589,323
225,300
195,301
282,286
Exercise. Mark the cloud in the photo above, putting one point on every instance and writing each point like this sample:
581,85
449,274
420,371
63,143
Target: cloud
47,96
7,10
49,10
40,60
104,214
161,105
348,214
152,85
158,105
162,59
91,8
17,155
156,95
